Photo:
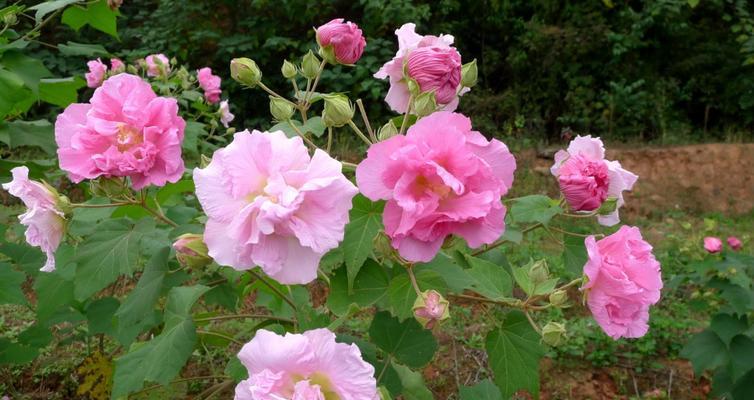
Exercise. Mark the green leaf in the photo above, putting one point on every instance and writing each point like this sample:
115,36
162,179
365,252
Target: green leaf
29,69
99,315
37,133
112,251
521,275
513,352
727,326
365,223
142,299
50,6
98,15
405,341
744,387
60,92
484,390
315,126
162,358
693,3
235,370
35,336
706,351
14,353
193,133
535,208
414,387
369,287
741,356
82,49
574,255
285,126
455,277
10,285
401,294
53,293
491,281
16,97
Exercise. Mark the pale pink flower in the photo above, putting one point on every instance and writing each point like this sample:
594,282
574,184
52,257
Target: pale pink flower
126,130
157,65
210,84
440,179
44,219
438,55
308,366
117,66
734,243
713,245
225,116
96,74
346,40
586,179
624,279
270,204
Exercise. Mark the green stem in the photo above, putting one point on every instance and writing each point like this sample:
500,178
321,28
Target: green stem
244,316
365,118
220,335
42,24
349,165
310,92
84,205
405,116
268,90
301,134
329,139
274,289
533,324
387,364
157,214
359,133
410,271
500,242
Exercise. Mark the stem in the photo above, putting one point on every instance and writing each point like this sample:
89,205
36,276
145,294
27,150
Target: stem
84,205
405,116
382,372
220,335
486,300
571,215
500,242
533,324
349,165
329,139
274,289
410,271
573,233
310,92
364,117
301,134
268,90
359,133
234,316
42,24
157,214
194,378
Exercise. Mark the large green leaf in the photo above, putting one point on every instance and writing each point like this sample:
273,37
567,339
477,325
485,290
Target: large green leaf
54,292
112,251
97,15
513,352
455,277
37,133
574,255
484,390
401,294
60,92
414,387
162,358
491,281
369,287
405,341
16,97
82,49
44,8
10,285
14,353
727,326
706,351
99,315
143,297
365,223
535,208
741,356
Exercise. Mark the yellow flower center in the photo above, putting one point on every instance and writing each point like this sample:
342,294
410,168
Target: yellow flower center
127,137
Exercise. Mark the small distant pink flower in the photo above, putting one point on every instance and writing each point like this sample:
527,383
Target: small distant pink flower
434,68
96,74
270,204
43,218
440,179
210,84
734,243
586,179
157,65
225,116
308,366
713,245
624,279
117,66
345,38
125,130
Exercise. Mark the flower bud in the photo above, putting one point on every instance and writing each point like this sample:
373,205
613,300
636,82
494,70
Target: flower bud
310,65
387,131
191,251
288,69
204,161
469,74
608,207
281,109
340,42
431,308
245,71
538,272
425,104
553,333
338,110
10,19
558,298
132,69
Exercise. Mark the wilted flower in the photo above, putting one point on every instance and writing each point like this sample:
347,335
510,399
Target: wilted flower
225,116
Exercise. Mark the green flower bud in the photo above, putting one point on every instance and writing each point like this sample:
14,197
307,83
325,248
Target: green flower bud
553,333
413,87
10,19
469,74
245,71
338,110
558,298
289,70
431,308
608,206
191,251
425,103
387,131
328,54
204,161
310,65
538,272
281,109
131,69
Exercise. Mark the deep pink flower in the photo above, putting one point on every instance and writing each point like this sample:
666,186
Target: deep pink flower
346,39
126,130
624,279
210,84
587,179
270,204
440,179
713,245
117,66
96,74
44,219
308,366
734,243
225,116
157,65
428,69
